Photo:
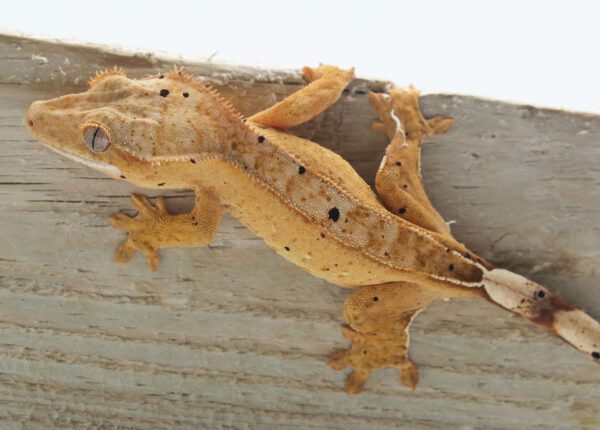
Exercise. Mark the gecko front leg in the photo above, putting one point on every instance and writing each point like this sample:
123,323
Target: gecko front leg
154,227
326,84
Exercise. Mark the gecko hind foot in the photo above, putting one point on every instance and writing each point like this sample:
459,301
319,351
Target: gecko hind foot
370,351
404,105
143,230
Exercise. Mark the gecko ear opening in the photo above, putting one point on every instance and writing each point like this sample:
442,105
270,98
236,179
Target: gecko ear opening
95,137
116,71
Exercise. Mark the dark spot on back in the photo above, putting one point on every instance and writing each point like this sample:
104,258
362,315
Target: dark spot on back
161,184
451,267
193,161
161,76
164,93
375,299
302,170
323,235
398,163
334,214
261,139
287,248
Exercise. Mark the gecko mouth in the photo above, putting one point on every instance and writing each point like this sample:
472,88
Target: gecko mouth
106,168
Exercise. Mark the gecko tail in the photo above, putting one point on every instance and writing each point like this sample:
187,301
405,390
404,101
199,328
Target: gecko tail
535,303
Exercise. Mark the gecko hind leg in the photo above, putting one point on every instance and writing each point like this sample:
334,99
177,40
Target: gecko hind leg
378,319
326,84
154,227
398,181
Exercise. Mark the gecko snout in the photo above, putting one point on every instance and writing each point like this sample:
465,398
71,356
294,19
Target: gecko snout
32,113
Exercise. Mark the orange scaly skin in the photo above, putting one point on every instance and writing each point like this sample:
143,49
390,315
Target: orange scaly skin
306,202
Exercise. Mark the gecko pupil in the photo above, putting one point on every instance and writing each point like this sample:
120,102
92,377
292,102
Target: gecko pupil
96,139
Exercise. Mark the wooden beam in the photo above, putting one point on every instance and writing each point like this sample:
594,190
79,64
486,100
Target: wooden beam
232,336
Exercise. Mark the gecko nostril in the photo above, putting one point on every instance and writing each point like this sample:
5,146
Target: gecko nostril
30,122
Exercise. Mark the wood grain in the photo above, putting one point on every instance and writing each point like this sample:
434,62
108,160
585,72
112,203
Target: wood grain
232,336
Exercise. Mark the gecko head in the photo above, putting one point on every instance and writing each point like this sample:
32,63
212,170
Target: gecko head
123,126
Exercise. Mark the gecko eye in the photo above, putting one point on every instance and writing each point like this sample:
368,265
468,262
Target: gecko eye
96,139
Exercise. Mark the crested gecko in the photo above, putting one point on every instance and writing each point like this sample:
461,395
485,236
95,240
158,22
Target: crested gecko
307,203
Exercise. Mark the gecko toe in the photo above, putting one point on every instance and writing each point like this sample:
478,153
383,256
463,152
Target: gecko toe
124,252
142,204
355,381
121,221
339,360
409,375
161,205
153,260
439,125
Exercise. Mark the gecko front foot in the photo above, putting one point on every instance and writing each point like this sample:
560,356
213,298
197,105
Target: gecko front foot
154,227
370,351
313,73
144,230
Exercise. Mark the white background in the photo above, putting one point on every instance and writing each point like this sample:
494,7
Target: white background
537,52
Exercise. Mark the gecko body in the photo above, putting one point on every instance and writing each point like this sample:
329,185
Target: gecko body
306,202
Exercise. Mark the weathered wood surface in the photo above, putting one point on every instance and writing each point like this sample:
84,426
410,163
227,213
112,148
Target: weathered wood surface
232,336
